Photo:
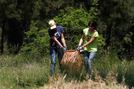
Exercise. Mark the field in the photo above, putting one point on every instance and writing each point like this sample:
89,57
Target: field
19,72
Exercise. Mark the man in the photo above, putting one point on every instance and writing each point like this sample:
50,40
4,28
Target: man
57,44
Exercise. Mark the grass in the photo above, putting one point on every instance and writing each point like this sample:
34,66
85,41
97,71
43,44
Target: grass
60,82
19,72
16,74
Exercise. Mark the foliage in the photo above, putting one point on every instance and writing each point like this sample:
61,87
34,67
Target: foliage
24,21
73,22
121,69
36,43
14,19
116,22
125,72
114,17
105,62
101,44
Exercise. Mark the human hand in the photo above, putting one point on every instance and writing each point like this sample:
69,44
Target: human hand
79,48
64,48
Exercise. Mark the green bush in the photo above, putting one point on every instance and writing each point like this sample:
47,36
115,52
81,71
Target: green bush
36,43
125,70
73,22
105,62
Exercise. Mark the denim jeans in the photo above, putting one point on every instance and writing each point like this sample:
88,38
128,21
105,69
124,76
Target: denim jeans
53,52
88,60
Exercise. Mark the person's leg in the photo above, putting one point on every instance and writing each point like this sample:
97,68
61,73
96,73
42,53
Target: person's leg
53,60
86,55
90,61
60,55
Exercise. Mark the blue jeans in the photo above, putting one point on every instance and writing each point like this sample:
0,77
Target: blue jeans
88,60
53,52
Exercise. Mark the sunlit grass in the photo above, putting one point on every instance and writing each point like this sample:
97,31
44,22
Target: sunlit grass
18,72
59,82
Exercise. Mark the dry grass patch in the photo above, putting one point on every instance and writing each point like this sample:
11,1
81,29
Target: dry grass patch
61,83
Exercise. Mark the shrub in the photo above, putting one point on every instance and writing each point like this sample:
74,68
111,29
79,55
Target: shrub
36,42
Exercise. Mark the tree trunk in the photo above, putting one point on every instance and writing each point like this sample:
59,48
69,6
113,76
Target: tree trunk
2,36
108,34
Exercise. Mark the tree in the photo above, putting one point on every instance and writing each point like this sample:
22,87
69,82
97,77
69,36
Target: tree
3,22
14,17
115,17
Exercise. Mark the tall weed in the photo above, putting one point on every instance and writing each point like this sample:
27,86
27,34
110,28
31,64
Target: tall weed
15,73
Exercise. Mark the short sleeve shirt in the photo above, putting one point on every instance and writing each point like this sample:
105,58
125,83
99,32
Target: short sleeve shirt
57,34
93,46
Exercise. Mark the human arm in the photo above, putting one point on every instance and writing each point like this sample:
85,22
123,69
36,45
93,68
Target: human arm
89,42
64,43
63,40
57,42
81,40
93,38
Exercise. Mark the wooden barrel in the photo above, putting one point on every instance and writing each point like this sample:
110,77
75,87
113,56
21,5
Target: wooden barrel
72,62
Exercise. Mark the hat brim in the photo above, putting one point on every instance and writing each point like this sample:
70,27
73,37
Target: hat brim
53,27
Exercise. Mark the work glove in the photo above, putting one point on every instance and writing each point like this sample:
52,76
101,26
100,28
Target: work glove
64,48
79,48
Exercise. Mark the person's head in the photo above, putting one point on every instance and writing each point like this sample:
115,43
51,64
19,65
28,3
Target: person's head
92,24
52,24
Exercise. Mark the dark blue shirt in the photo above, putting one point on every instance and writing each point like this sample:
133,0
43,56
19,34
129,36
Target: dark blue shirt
57,34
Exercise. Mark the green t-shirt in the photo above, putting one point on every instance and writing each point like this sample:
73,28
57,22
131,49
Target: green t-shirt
93,46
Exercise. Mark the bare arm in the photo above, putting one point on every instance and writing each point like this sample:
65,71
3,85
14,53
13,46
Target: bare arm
81,40
57,42
63,39
88,43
